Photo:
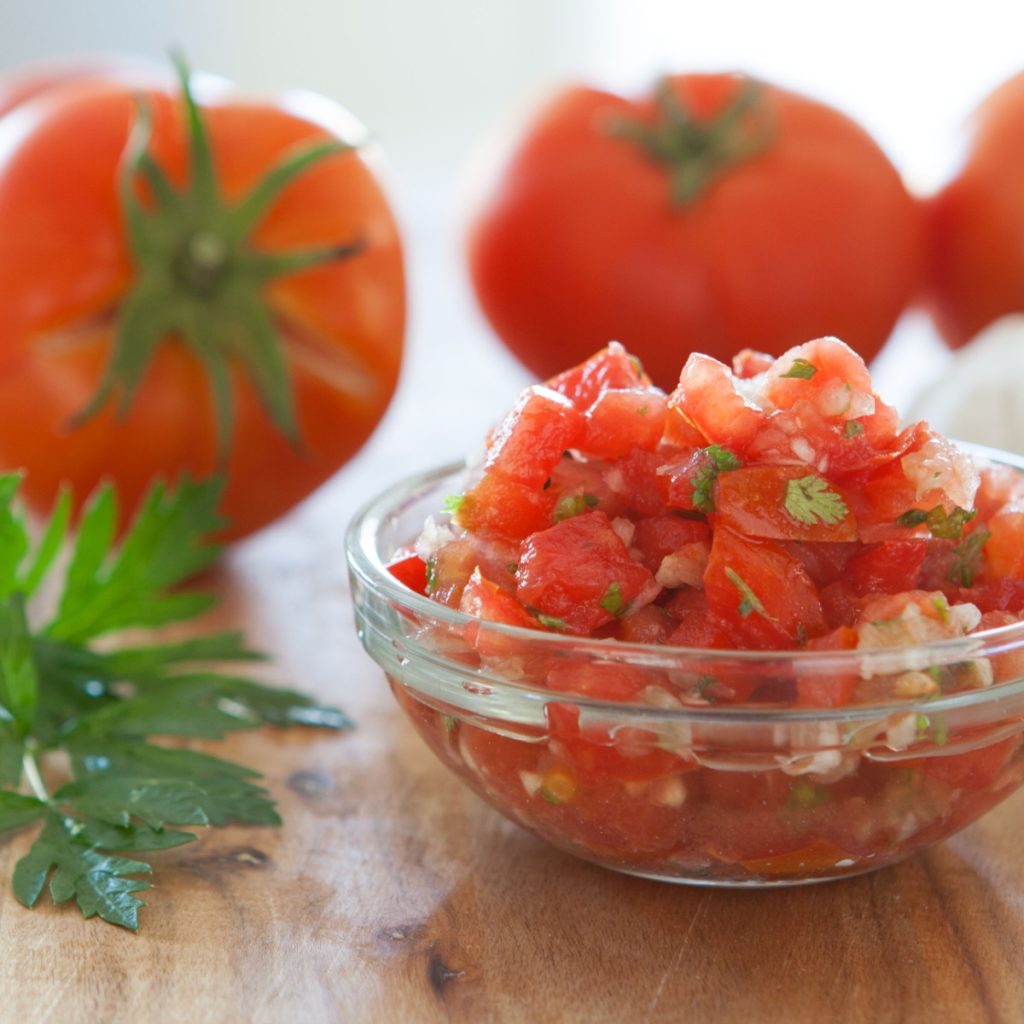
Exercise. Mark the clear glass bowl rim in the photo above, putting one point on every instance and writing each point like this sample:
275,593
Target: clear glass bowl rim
366,564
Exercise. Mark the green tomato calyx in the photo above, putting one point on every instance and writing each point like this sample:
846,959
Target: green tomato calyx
199,280
699,151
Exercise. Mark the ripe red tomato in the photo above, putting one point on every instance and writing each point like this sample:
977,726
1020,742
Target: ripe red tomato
976,223
155,322
716,214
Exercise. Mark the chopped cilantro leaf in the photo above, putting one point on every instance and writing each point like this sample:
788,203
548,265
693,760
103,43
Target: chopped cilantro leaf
942,524
718,460
809,500
853,428
967,558
749,601
612,601
941,605
802,369
552,622
573,505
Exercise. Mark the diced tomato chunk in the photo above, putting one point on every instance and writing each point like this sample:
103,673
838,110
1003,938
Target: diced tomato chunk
708,398
506,507
634,479
412,571
783,503
749,363
623,419
486,600
998,487
1004,549
647,625
819,689
655,537
761,593
612,367
887,567
580,574
532,438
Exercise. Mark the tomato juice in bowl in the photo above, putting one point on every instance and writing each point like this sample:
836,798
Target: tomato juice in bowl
811,684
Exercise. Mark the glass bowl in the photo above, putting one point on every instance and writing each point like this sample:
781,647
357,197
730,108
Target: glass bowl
677,787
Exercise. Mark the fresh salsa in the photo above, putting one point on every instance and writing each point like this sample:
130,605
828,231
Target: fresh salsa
777,505
606,508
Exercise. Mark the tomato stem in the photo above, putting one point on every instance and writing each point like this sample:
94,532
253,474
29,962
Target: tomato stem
699,151
198,277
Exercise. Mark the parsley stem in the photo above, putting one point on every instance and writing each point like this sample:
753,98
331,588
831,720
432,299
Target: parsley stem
32,773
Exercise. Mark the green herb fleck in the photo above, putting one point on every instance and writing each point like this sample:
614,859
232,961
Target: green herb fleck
749,601
967,557
99,703
809,500
853,429
453,502
805,795
612,601
552,622
573,505
941,605
512,568
942,524
719,460
431,574
801,369
643,410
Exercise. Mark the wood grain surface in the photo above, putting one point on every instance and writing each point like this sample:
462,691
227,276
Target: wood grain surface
392,894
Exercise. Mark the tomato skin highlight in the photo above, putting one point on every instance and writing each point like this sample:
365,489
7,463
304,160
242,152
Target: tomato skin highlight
342,323
578,240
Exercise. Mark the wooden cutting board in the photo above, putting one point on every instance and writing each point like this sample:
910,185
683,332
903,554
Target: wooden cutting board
393,894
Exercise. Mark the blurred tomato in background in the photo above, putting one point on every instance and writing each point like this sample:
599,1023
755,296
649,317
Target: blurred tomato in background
716,214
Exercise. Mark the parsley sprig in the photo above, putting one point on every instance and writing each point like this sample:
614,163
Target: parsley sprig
98,705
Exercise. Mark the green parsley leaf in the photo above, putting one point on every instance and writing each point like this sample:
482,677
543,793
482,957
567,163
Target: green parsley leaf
749,601
573,505
802,369
97,881
100,706
17,811
853,429
453,502
967,557
19,686
109,589
612,601
942,524
719,460
809,500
